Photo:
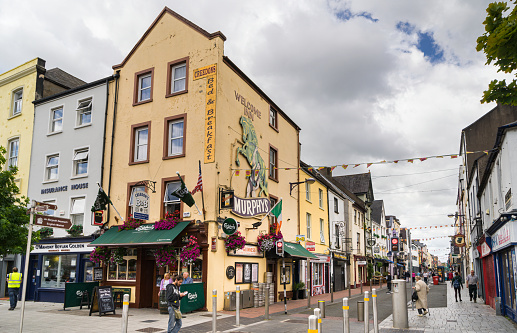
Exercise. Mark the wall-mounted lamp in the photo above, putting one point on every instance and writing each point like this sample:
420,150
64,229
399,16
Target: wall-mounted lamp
306,181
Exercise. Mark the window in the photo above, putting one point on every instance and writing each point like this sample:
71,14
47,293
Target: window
176,138
272,218
273,122
52,167
336,236
336,206
56,120
322,233
134,189
58,269
77,210
14,147
50,212
177,77
143,90
307,191
140,143
320,193
17,102
355,216
358,242
81,162
125,270
84,112
171,202
309,226
273,163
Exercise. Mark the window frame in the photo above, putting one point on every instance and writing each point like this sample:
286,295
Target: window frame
52,202
80,111
275,176
166,140
136,89
133,256
322,231
165,181
132,147
72,200
320,197
170,66
46,168
308,222
75,162
336,205
308,191
130,187
274,126
272,218
52,120
9,150
14,100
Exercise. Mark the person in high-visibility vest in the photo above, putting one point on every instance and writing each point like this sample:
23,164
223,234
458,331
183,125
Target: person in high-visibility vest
14,280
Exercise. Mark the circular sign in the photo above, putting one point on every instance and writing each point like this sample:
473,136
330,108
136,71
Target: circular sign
371,241
230,272
394,241
229,226
459,240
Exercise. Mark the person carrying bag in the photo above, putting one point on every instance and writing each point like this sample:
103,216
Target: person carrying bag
174,296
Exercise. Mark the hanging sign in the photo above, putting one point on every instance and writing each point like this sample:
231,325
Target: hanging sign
227,199
300,238
230,226
251,207
310,246
230,272
140,205
459,240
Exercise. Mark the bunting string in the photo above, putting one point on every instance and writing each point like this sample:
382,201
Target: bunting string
425,239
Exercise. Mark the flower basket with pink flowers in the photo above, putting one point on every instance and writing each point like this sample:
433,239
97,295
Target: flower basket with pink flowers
130,224
167,223
100,254
190,252
234,242
165,256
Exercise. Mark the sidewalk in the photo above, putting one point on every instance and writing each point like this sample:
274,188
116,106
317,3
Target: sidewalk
463,316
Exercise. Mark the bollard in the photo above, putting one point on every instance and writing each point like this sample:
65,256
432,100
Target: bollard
374,306
399,304
313,326
238,306
125,308
360,310
214,311
266,297
366,314
321,305
346,318
317,313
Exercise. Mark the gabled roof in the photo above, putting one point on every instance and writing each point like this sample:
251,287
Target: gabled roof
167,10
358,183
376,214
328,183
62,78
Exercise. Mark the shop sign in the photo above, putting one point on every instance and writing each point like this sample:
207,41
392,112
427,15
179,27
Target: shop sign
53,222
322,259
210,103
484,249
459,240
310,246
205,71
361,263
140,205
214,244
62,247
376,249
300,238
340,256
227,199
251,207
229,226
230,272
247,251
506,235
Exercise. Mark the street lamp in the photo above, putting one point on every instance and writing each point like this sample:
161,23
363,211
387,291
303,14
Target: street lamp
306,181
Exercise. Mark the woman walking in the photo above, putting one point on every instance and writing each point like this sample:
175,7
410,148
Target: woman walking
422,289
457,284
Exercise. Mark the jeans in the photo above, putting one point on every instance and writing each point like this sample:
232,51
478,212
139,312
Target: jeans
174,324
389,285
457,291
13,296
473,291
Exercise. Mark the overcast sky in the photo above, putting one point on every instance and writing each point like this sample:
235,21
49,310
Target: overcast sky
366,80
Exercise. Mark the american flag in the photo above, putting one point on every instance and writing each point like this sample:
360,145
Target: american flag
199,185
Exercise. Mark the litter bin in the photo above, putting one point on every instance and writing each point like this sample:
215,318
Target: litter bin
360,311
436,279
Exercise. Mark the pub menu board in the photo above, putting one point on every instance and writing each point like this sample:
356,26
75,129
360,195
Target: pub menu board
97,274
246,272
102,300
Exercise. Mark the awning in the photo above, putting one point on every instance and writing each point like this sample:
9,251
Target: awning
296,250
400,264
387,260
143,235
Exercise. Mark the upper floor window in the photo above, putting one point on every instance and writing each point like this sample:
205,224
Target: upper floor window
52,167
336,236
320,194
56,120
272,218
175,137
81,162
355,216
171,202
336,206
49,211
177,77
273,163
143,86
140,144
77,210
84,112
273,121
322,231
307,191
14,147
308,217
17,102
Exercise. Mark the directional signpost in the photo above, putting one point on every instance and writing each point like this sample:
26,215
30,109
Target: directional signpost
53,222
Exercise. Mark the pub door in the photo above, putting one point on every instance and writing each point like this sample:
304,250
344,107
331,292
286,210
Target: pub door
272,267
147,283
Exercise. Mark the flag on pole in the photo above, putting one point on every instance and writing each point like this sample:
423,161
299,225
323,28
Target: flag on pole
101,201
277,212
183,194
199,185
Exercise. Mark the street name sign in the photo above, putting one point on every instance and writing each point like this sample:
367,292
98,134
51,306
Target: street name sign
53,222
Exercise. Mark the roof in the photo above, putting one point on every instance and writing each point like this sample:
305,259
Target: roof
167,10
74,90
377,206
328,183
358,183
62,78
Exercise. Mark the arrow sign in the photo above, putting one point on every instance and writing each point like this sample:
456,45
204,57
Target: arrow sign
48,205
52,221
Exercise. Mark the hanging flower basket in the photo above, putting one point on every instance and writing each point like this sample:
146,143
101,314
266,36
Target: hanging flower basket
235,242
168,222
130,224
117,256
165,256
190,252
100,254
75,230
267,242
46,232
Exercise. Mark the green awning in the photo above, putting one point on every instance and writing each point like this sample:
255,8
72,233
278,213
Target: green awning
143,235
296,250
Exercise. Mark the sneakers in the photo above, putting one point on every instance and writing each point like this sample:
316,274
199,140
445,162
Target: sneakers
420,315
471,298
461,300
456,300
426,312
475,301
11,309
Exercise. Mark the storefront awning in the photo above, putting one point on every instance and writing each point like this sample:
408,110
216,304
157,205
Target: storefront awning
390,261
296,250
143,235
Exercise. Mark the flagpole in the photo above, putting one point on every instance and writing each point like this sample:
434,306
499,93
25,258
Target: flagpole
112,205
202,194
198,211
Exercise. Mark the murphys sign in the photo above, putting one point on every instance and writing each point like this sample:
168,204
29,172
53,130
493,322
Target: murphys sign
251,207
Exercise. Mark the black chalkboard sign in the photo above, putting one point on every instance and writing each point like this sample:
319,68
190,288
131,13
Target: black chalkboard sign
97,274
102,300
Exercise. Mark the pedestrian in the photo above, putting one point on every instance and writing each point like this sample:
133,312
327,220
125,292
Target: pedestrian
450,276
173,301
388,283
406,275
457,284
14,280
422,289
472,282
164,282
413,276
186,278
425,277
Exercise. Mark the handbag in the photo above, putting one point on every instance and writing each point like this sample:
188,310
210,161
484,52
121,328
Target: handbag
414,297
177,314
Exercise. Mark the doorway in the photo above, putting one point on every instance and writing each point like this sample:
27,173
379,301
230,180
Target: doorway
271,268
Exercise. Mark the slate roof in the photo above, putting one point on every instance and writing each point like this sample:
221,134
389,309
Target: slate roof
62,78
358,184
377,211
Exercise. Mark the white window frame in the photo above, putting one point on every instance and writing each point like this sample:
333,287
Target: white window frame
170,138
308,222
132,255
273,157
307,191
273,117
73,214
17,103
53,202
140,89
165,202
137,144
322,233
174,79
53,121
76,159
10,158
80,110
47,168
320,194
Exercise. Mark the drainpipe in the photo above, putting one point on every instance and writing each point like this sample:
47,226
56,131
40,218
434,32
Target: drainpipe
105,121
117,76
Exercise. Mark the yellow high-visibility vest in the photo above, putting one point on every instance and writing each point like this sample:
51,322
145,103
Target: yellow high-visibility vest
15,280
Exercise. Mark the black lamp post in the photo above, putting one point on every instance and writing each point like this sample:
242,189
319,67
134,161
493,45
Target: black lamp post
294,184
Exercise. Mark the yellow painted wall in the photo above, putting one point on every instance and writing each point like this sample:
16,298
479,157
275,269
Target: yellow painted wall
20,125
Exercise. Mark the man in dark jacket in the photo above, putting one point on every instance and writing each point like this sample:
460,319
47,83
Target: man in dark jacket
174,296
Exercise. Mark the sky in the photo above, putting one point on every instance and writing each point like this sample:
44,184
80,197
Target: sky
366,80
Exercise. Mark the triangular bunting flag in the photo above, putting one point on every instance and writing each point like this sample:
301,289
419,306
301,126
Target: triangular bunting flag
423,159
345,166
237,172
368,165
355,166
454,156
332,168
410,161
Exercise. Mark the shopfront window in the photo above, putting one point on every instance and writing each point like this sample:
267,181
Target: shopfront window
124,271
58,269
88,269
197,271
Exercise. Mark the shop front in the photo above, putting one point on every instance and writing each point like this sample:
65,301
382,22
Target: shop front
340,263
55,262
487,270
359,275
320,279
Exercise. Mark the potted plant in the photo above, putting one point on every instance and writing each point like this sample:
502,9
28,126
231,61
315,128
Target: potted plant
301,290
46,232
75,230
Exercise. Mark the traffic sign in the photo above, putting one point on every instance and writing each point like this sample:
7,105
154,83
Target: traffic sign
53,222
280,247
394,244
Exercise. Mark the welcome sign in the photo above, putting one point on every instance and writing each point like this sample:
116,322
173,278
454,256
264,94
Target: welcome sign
251,207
